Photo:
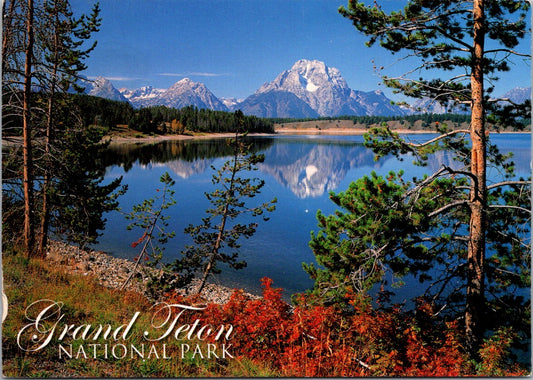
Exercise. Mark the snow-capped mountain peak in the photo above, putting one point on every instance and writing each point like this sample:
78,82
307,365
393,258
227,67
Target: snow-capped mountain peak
518,94
184,92
306,76
325,91
103,88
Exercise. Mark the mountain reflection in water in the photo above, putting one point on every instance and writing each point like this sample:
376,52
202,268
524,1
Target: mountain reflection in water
299,171
309,168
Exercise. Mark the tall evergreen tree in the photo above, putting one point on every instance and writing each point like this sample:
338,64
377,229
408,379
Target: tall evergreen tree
450,216
27,153
221,228
44,59
63,63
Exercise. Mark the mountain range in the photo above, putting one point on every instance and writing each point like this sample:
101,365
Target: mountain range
319,89
309,89
518,94
103,88
181,94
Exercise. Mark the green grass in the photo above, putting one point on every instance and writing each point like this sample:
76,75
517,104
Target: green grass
86,302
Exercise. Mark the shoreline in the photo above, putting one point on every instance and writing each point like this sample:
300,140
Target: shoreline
361,131
112,272
277,132
118,140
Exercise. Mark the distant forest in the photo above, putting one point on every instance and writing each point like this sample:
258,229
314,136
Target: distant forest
369,120
426,120
164,120
111,114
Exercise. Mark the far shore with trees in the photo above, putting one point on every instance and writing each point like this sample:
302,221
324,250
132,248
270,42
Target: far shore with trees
119,122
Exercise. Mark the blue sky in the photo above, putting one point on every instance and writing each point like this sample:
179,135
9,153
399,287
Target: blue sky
234,46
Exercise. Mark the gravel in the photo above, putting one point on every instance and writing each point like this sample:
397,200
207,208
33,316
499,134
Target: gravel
113,272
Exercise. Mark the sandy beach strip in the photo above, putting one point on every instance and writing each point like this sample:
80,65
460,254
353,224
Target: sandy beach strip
10,141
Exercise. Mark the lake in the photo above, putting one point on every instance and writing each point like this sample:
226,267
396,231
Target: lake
299,171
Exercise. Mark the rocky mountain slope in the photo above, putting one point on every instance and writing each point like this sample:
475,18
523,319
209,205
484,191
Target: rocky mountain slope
103,88
518,94
276,103
425,105
309,89
325,91
181,94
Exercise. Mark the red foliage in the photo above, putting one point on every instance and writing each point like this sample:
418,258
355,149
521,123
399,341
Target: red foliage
319,341
136,243
259,324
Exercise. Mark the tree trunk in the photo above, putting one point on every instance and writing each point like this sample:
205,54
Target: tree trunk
222,227
29,237
45,214
475,298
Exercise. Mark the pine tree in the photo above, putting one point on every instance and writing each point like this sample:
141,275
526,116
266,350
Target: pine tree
45,55
150,218
447,218
220,230
64,62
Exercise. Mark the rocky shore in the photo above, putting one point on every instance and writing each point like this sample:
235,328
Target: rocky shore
113,272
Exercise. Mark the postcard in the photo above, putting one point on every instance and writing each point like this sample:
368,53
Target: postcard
233,188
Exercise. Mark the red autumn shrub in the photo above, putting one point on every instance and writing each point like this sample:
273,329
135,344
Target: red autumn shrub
259,324
323,341
311,336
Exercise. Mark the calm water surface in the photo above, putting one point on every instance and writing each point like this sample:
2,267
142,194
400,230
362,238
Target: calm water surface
299,171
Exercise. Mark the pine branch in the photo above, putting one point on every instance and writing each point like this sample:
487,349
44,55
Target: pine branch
447,207
511,207
511,52
465,131
509,183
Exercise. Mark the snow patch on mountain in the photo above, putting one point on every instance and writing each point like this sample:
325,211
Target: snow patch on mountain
181,94
311,87
231,103
103,88
142,96
325,90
